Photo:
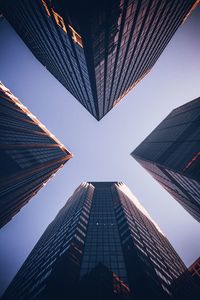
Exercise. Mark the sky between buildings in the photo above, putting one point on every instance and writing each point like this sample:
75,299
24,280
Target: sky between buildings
101,149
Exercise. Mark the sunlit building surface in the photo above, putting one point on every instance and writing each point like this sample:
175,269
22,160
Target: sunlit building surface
29,155
99,50
101,245
171,154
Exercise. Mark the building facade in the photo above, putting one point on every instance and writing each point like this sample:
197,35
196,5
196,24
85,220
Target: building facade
171,154
101,245
194,269
29,155
99,50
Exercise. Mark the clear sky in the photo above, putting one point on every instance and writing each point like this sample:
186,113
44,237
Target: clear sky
101,149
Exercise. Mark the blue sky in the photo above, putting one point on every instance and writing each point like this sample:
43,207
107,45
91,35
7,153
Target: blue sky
101,149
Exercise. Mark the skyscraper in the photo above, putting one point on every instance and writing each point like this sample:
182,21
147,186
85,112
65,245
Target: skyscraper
29,155
99,50
171,155
194,269
101,245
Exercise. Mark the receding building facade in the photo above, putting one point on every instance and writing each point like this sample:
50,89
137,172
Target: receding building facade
171,154
194,269
29,155
99,50
101,245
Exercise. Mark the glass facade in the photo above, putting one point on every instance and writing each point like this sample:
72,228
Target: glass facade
29,155
194,269
102,244
99,50
171,154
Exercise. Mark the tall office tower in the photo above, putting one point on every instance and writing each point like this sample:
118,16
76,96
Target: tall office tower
29,155
99,50
194,269
182,289
171,154
101,245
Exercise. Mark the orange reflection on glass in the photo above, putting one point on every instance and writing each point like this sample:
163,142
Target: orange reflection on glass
119,287
23,108
59,20
192,161
76,37
46,8
130,87
190,11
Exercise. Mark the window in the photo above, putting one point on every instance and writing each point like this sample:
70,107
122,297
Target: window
76,37
59,20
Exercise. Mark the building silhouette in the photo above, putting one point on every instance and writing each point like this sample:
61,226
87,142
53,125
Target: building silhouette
101,245
171,155
99,50
29,155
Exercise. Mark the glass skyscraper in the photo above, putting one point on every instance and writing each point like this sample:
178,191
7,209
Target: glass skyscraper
194,269
171,154
29,155
101,245
99,50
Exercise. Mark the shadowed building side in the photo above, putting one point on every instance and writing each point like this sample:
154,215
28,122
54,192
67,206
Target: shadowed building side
171,154
99,50
29,155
